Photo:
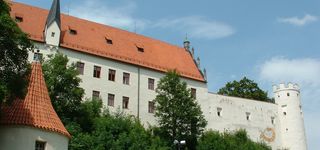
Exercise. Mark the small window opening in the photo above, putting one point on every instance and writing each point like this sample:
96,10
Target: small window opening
95,94
111,100
151,107
40,145
125,102
140,49
18,19
52,34
194,92
37,56
248,116
150,84
219,110
288,94
72,31
284,113
109,41
111,75
272,120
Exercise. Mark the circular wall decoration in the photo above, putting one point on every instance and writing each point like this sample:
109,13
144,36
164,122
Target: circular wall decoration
268,134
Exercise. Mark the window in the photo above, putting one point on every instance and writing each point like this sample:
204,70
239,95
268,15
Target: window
193,92
272,120
110,99
151,84
80,67
112,75
151,107
248,116
96,71
109,41
125,102
95,94
52,34
140,49
72,31
37,56
288,94
284,113
219,110
126,78
18,19
40,145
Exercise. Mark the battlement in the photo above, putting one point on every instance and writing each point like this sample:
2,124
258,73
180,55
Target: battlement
283,86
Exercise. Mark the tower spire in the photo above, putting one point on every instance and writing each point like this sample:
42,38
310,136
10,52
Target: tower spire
186,43
54,14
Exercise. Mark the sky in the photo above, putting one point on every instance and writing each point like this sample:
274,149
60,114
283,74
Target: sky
270,41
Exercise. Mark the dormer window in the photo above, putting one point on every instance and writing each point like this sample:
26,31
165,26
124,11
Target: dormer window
108,40
19,19
72,31
140,47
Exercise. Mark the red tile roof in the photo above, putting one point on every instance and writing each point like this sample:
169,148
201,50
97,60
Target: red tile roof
36,109
91,39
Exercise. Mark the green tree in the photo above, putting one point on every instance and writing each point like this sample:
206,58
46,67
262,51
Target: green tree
244,88
178,113
14,66
110,131
63,86
238,140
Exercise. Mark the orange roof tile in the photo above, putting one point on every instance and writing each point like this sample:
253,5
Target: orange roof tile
36,109
91,39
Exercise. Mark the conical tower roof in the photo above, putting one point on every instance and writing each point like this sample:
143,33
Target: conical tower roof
36,109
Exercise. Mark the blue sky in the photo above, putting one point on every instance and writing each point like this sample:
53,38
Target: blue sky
268,41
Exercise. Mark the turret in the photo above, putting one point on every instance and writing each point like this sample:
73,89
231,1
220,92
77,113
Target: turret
186,44
292,131
52,29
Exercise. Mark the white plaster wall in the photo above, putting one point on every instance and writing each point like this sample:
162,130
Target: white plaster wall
234,109
292,124
233,116
102,84
52,40
24,138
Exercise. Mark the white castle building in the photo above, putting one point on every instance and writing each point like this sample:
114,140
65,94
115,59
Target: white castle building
123,68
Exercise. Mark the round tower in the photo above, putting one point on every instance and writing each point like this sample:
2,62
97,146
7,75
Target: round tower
290,116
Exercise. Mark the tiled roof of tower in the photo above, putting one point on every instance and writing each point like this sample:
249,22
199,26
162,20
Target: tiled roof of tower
36,109
91,38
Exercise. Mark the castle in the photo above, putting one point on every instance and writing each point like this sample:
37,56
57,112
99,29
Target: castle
122,68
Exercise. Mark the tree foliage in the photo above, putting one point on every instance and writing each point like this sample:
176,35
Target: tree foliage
239,140
244,88
110,131
177,111
63,85
14,66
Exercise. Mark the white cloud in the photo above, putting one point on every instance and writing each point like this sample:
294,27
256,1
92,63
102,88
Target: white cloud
121,16
305,72
197,27
280,69
102,12
307,19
